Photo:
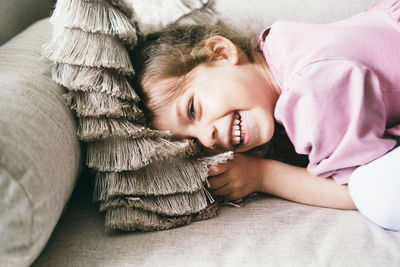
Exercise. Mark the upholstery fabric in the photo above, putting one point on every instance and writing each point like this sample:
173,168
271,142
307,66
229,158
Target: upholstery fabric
16,15
39,152
266,231
155,14
255,15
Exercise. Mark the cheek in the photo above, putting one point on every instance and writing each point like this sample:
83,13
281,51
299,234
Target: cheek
165,120
258,99
253,90
160,124
174,127
267,123
269,129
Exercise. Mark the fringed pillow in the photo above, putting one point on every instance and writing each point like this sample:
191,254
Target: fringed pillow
145,179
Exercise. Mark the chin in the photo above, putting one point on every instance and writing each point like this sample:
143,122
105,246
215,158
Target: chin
245,148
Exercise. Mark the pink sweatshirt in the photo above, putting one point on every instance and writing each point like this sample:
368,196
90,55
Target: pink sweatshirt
340,101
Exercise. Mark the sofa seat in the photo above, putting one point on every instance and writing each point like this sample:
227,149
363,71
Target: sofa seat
266,231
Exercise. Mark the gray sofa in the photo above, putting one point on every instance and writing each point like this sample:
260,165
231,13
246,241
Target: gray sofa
44,223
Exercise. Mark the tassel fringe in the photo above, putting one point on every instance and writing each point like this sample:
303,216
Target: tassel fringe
170,205
95,104
131,219
76,47
217,159
127,154
92,129
179,176
87,79
94,17
125,8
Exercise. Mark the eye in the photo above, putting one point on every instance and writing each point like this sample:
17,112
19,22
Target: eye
191,111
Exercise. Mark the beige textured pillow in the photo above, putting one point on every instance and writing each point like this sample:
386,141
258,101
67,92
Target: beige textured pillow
146,180
39,152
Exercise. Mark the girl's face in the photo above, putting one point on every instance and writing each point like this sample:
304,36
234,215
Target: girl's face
226,106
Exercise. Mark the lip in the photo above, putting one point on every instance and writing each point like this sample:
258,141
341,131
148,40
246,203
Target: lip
230,131
246,130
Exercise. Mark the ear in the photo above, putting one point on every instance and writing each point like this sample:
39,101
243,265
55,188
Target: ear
222,48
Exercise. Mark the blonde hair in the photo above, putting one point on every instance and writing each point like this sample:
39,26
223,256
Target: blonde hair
169,55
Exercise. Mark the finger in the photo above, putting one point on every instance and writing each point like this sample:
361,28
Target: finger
222,191
216,182
231,196
217,169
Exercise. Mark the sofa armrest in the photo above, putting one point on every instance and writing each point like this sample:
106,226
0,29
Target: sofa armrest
16,15
40,155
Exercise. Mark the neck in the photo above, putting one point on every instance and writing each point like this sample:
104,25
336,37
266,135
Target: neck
263,68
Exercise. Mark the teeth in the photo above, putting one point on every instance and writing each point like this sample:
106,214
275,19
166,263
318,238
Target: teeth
236,140
238,131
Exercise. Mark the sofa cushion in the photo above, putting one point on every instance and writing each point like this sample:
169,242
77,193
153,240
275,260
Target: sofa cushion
39,151
267,231
16,15
255,15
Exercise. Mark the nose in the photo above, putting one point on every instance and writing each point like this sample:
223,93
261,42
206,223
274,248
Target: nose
208,137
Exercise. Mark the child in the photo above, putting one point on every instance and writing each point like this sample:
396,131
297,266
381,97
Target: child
334,87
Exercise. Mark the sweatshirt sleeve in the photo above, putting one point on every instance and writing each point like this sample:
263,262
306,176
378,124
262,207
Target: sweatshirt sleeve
333,111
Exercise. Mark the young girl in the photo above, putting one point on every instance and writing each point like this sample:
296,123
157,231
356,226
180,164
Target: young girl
335,88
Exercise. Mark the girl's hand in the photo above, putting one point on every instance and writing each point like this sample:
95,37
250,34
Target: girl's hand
236,178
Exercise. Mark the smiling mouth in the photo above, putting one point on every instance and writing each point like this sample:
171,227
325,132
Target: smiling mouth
238,130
